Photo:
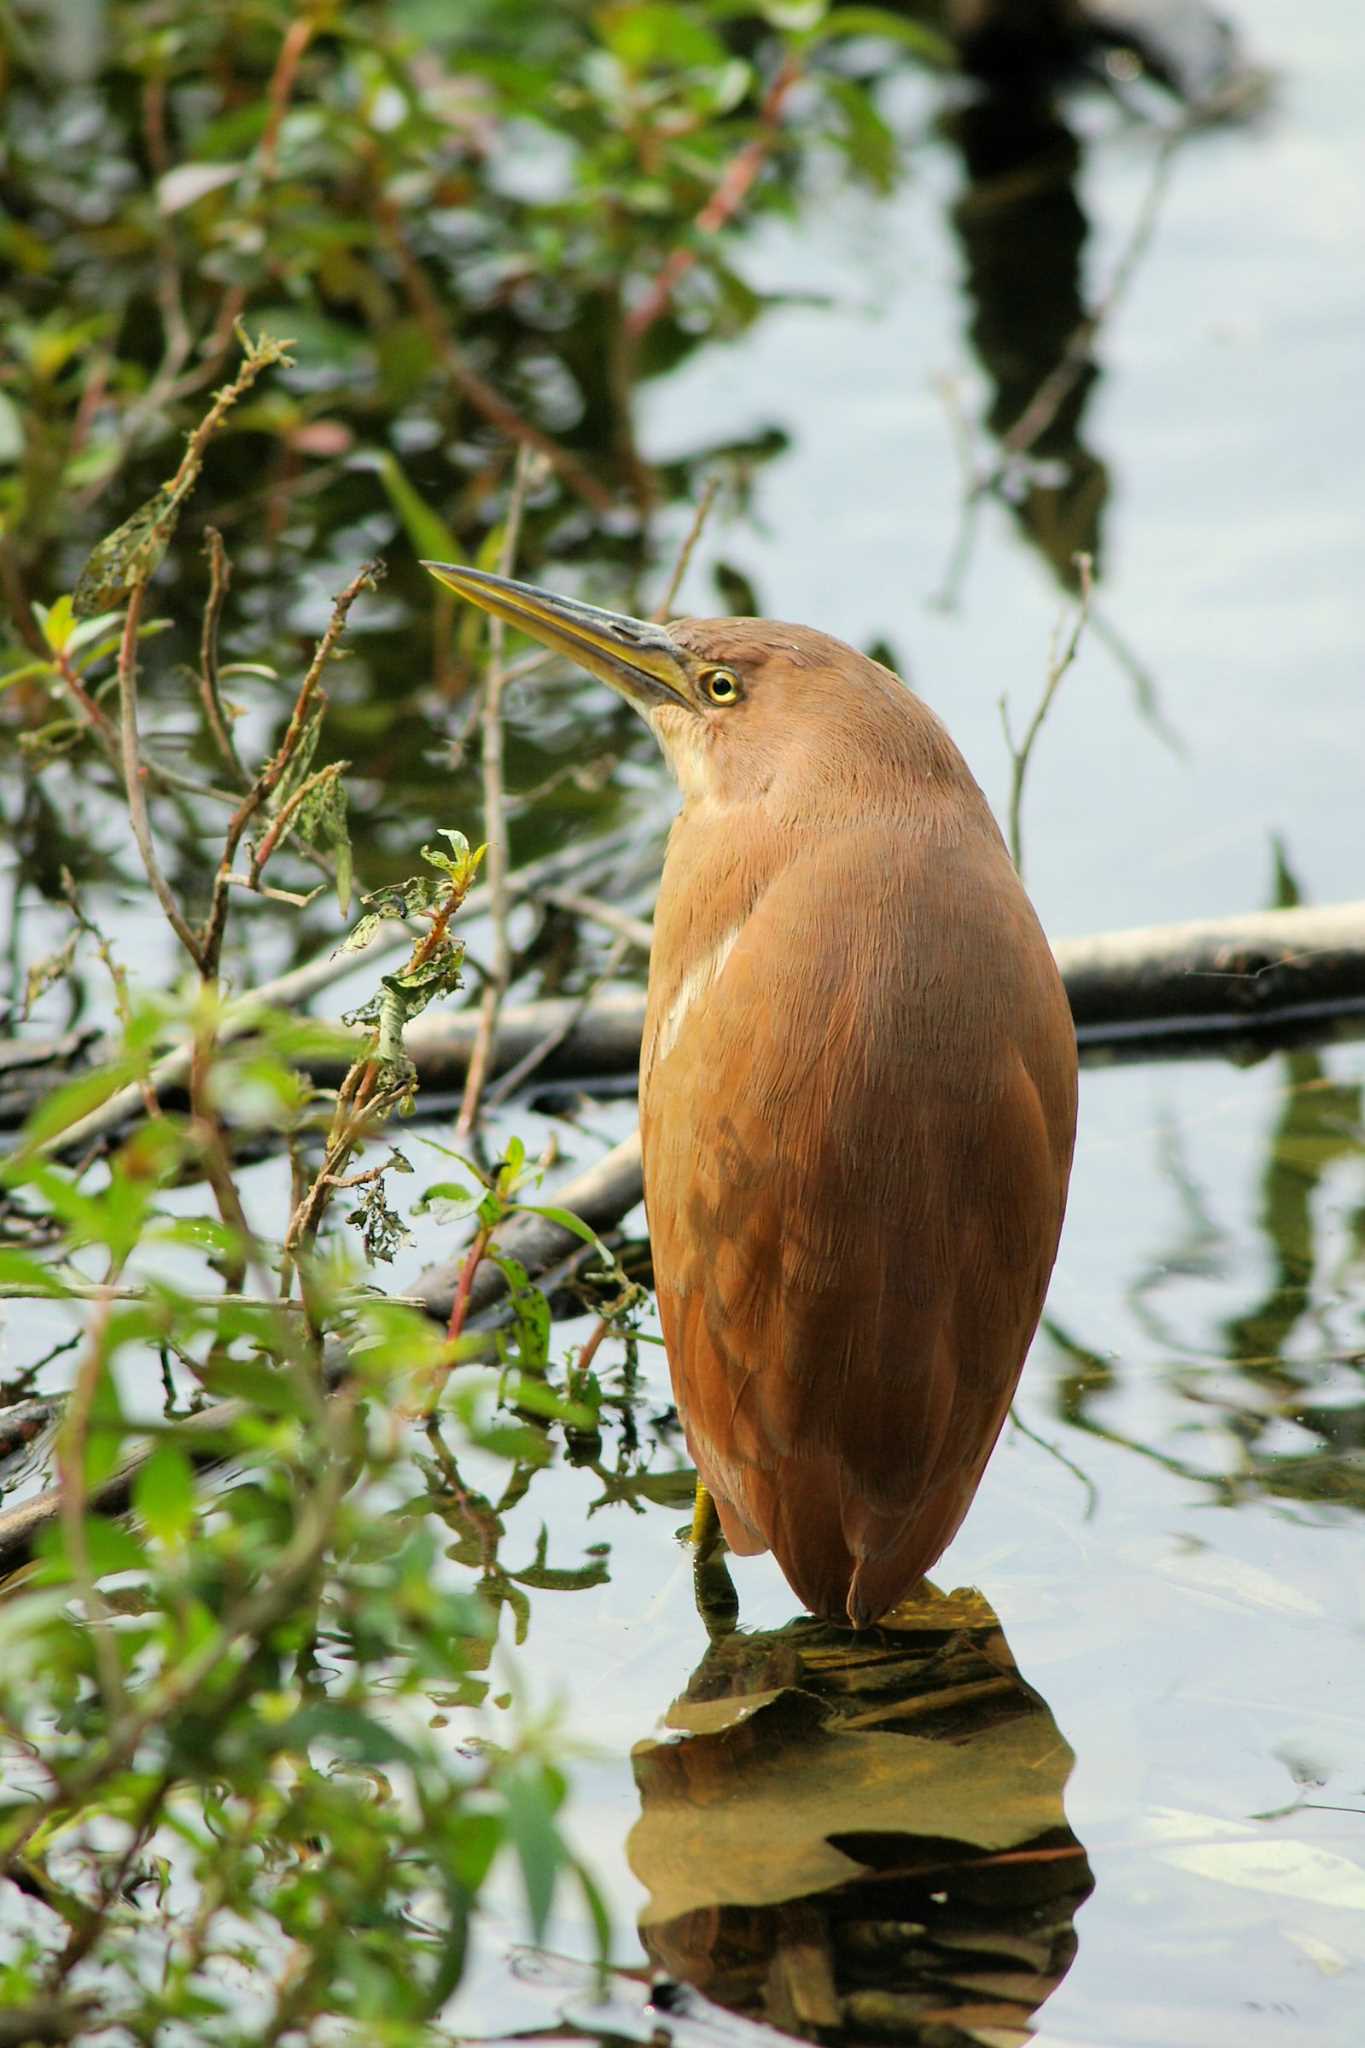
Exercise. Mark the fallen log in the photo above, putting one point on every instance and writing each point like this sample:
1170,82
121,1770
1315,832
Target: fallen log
1157,988
1214,976
1260,967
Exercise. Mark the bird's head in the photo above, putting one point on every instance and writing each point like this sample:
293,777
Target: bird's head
739,706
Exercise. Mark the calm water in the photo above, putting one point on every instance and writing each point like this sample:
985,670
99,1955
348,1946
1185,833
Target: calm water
1179,1577
1190,1604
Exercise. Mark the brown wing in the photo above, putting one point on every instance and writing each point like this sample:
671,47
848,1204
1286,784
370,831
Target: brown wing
856,1157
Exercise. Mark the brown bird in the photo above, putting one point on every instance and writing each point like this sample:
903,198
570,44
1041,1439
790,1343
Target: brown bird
857,1091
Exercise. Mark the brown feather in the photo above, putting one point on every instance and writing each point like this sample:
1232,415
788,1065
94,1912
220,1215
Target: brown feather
858,1108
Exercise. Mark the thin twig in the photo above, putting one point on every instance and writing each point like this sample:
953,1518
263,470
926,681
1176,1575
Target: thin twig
720,209
1129,663
1092,1492
92,713
291,991
34,638
1058,664
282,824
945,598
85,1933
257,357
1061,380
220,576
460,1306
592,1344
637,931
471,385
215,349
172,381
526,1066
280,90
268,779
1057,386
370,1090
133,774
496,859
169,283
685,552
75,1290
71,1449
1052,394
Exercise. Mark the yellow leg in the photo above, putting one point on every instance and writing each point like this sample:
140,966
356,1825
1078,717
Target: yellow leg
712,1586
705,1523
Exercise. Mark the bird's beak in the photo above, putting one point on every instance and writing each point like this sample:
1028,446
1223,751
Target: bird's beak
636,658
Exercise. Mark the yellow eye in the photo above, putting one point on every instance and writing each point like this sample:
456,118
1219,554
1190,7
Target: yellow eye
721,685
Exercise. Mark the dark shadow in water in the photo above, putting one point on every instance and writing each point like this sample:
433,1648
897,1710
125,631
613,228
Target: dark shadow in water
863,1834
1022,234
1035,321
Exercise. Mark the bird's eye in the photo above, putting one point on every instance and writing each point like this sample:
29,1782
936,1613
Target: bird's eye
720,685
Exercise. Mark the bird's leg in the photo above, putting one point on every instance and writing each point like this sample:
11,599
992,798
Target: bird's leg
712,1586
705,1523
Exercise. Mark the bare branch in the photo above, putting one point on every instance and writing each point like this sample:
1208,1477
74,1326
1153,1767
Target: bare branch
220,576
1058,664
495,816
473,387
731,191
133,778
637,931
685,552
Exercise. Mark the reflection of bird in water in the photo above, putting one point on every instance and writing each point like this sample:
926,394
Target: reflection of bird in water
858,1092
863,1836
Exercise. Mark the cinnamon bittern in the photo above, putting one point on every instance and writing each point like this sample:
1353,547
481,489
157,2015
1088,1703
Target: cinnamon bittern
857,1091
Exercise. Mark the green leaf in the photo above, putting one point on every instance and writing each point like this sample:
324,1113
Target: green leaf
56,621
21,1274
76,1099
357,1734
448,1197
200,1233
163,1494
473,1841
345,871
868,142
530,1310
529,1803
923,42
598,1913
80,636
127,557
648,37
109,1546
27,672
11,432
432,539
107,1429
272,1389
566,1220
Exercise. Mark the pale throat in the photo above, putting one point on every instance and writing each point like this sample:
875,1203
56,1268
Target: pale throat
682,736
